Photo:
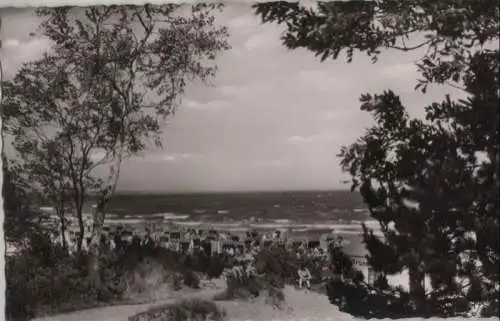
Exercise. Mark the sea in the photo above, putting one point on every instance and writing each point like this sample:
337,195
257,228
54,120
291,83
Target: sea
299,214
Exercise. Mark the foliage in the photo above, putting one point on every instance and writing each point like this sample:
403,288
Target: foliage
186,310
215,267
43,279
191,279
433,183
430,183
241,288
278,265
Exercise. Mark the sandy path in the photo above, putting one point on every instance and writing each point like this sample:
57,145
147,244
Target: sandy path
301,305
122,312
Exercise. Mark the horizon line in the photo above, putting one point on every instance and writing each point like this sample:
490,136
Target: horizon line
153,192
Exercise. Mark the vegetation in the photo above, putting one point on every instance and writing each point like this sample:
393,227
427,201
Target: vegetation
188,310
44,279
431,183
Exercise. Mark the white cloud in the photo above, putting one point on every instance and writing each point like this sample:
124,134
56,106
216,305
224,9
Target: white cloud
400,71
18,53
297,139
230,90
211,105
174,157
330,114
261,41
168,158
165,157
10,43
271,163
323,80
321,137
242,22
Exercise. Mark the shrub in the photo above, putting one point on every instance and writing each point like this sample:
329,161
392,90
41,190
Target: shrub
34,289
187,310
191,279
276,297
241,288
278,265
216,267
177,281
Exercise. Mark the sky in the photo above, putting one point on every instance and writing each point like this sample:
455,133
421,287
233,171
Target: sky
271,119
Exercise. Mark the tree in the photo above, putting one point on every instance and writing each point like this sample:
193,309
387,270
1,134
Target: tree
99,96
433,184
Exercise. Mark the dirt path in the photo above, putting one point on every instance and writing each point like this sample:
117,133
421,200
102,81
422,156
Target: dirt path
122,312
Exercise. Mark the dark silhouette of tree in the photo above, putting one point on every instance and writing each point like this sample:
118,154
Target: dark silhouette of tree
20,218
100,95
432,184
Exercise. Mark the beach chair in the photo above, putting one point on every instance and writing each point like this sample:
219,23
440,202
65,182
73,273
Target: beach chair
184,247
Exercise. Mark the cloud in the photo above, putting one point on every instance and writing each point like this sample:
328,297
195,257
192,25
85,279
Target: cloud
10,43
261,41
15,53
402,70
175,157
231,90
272,163
168,158
210,105
242,23
322,80
164,157
321,137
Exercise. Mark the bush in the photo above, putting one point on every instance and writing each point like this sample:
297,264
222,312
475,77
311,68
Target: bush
177,281
215,268
191,279
188,310
241,288
277,265
276,297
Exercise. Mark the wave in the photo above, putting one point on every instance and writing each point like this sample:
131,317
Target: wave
287,225
124,221
166,216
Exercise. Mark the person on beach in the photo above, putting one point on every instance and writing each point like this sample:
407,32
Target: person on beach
304,277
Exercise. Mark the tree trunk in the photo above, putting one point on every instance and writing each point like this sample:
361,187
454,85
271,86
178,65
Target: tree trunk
81,228
98,222
95,247
417,286
63,230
